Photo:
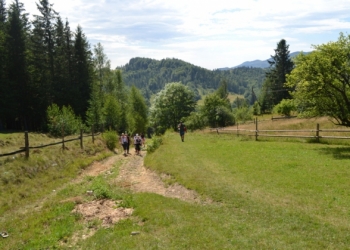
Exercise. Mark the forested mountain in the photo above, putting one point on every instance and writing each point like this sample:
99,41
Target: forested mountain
151,75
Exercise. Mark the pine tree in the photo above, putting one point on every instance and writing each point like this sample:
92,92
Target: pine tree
17,65
4,90
280,65
82,73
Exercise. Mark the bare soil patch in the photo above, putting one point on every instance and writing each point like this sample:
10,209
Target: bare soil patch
133,175
105,210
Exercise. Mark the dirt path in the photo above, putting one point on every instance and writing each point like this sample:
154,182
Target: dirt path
134,176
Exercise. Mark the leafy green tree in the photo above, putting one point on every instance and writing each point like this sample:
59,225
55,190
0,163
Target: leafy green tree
111,112
280,65
217,111
195,121
321,81
172,104
138,110
94,114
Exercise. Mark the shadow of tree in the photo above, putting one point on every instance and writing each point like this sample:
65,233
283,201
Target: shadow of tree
338,153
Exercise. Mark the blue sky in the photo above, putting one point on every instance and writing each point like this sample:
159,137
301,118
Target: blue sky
209,34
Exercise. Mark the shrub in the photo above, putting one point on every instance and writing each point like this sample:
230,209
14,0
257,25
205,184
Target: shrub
111,139
62,121
195,121
243,114
285,107
154,144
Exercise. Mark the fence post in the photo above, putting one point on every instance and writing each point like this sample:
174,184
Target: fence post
63,146
318,132
92,133
26,143
81,139
256,129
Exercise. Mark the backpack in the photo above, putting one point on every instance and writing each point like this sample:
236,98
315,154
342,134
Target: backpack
138,140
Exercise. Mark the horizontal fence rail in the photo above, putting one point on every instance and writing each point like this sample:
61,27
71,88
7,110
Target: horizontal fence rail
312,133
63,141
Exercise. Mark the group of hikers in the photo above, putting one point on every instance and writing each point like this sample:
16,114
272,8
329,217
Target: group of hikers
139,140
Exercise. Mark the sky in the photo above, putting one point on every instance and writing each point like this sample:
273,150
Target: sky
206,33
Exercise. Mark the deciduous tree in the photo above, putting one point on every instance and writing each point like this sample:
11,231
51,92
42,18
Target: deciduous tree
322,81
171,105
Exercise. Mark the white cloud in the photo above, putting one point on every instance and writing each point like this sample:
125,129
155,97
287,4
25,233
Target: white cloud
209,34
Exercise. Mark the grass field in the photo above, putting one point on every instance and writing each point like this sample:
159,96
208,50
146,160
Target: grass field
267,194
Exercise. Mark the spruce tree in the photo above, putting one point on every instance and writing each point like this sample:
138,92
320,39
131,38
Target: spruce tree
280,65
82,73
17,65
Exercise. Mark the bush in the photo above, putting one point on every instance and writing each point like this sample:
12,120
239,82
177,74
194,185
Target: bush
154,144
195,121
285,107
111,139
243,114
62,121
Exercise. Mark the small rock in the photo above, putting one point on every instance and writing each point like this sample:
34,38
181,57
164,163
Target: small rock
135,233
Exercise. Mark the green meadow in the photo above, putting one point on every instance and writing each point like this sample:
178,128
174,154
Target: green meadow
266,194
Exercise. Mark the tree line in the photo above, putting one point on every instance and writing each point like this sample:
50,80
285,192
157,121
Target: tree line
51,78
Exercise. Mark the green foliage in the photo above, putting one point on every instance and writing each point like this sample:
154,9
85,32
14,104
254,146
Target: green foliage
138,111
243,114
285,107
101,189
154,143
111,111
274,89
195,121
151,76
256,108
322,87
217,111
111,139
173,103
62,121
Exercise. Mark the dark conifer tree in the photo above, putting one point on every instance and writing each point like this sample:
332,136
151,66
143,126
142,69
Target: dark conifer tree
44,42
3,66
83,73
17,68
280,65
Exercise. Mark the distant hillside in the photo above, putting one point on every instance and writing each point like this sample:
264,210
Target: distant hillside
260,63
151,75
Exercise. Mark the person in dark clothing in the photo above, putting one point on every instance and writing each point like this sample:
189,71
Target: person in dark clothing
128,145
182,130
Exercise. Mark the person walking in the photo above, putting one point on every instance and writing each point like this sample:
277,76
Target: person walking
182,130
124,142
128,146
137,143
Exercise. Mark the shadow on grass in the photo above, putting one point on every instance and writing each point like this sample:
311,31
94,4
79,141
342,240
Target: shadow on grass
341,153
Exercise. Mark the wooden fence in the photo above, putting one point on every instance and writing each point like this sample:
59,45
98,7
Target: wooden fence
302,133
63,141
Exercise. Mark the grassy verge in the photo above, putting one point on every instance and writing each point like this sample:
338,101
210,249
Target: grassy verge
266,195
